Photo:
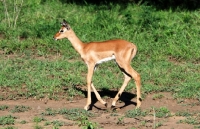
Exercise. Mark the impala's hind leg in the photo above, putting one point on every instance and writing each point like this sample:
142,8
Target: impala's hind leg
136,77
129,73
126,81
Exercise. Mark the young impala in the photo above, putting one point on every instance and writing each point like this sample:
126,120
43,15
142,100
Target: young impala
95,53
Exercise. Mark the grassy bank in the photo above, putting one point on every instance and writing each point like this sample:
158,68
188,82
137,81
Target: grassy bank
168,47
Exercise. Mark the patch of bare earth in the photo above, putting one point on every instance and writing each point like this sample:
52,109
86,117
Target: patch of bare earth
105,119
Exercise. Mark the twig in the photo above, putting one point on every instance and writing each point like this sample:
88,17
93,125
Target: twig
154,118
18,11
6,12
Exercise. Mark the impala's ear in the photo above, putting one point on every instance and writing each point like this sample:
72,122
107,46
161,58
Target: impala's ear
64,21
65,24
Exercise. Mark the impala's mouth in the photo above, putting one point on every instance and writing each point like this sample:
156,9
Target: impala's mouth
55,38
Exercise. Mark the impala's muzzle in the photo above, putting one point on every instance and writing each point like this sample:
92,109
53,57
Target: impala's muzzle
55,38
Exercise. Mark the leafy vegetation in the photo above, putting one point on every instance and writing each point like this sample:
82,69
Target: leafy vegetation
81,116
86,124
135,113
3,107
23,122
75,114
20,108
7,120
191,120
158,112
49,112
9,127
183,113
162,112
157,96
38,119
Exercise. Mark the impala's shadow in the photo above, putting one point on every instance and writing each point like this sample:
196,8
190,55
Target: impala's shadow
126,97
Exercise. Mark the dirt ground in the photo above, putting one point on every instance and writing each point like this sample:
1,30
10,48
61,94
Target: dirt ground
104,119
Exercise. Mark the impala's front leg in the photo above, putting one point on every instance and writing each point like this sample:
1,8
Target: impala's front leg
89,82
98,96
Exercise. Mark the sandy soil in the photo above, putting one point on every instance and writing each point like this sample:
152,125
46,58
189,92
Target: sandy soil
104,119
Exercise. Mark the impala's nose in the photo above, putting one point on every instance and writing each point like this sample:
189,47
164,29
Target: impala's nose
55,38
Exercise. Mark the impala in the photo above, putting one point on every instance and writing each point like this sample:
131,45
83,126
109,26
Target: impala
95,53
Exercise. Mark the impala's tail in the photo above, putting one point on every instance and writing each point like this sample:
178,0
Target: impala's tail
134,51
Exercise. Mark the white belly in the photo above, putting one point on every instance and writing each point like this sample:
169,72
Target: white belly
105,59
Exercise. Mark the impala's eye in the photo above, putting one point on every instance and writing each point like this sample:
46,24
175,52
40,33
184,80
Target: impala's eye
61,31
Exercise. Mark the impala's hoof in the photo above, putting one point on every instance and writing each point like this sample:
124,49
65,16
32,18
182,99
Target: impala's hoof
138,103
106,104
137,107
86,108
112,107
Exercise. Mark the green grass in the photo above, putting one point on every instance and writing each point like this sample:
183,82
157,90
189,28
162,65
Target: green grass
38,119
3,107
157,96
38,78
136,113
75,114
7,120
168,57
9,127
162,112
20,108
81,117
49,112
191,120
86,124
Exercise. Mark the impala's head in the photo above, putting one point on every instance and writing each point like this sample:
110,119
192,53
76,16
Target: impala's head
64,31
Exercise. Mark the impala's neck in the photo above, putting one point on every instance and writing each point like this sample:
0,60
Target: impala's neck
76,42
